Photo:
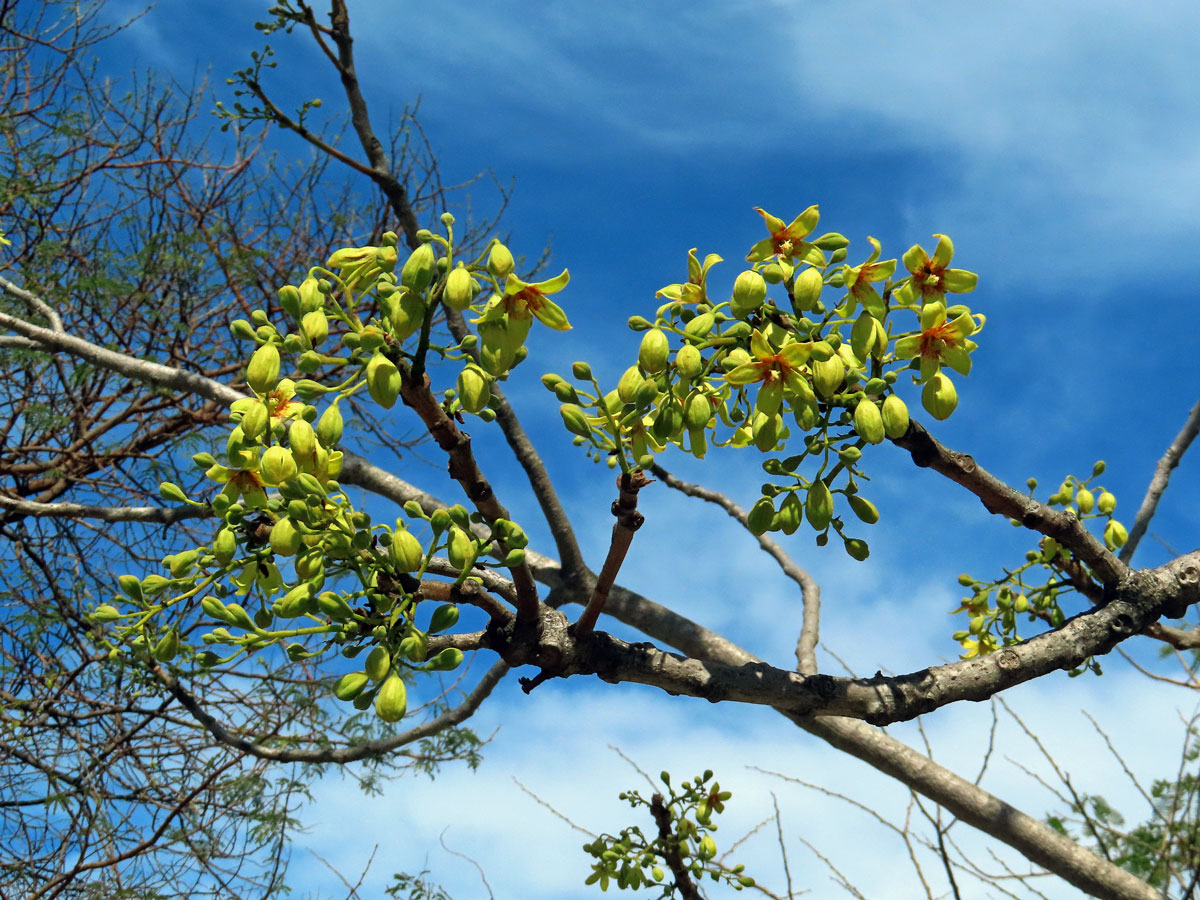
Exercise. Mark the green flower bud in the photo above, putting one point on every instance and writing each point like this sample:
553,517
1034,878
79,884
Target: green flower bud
700,326
627,387
383,380
749,291
1086,500
575,420
329,427
262,372
405,313
474,389
827,375
688,362
654,351
818,505
167,647
216,609
379,663
407,552
864,509
334,606
765,430
895,417
350,685
105,613
832,241
277,465
857,549
289,300
295,602
790,515
419,269
460,288
460,549
1106,503
761,516
581,370
806,289
255,420
868,421
315,326
285,539
1115,535
445,616
697,411
391,702
500,261
302,438
169,490
446,661
939,396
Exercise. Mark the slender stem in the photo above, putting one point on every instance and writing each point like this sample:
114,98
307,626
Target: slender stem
628,521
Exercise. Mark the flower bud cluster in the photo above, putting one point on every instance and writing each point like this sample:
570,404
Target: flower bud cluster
810,375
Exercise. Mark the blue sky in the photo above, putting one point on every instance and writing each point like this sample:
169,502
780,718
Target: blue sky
1056,143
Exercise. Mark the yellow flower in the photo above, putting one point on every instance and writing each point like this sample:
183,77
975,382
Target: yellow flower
785,240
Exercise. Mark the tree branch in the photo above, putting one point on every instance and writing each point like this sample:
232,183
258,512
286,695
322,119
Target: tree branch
810,591
340,755
1000,499
1158,484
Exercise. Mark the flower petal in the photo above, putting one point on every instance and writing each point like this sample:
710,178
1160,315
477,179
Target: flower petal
555,284
959,281
551,315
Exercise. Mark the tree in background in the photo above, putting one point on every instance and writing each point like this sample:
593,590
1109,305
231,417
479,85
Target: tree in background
144,726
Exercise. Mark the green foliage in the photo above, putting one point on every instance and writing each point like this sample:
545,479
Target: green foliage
1164,850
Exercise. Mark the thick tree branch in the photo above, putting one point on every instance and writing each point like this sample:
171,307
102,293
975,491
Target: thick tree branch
158,515
961,797
1000,499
